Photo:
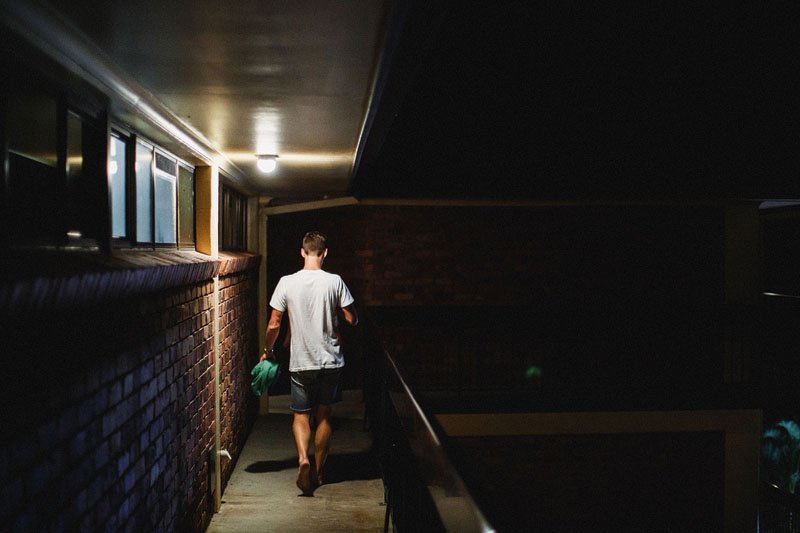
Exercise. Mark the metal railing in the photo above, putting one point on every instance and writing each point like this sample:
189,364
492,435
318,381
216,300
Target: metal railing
423,490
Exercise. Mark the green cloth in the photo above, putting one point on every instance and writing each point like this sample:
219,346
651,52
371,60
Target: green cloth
264,374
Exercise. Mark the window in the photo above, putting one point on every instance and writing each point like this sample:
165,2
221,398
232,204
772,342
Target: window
84,213
53,167
74,174
144,192
185,206
32,176
117,151
66,182
233,217
165,199
155,207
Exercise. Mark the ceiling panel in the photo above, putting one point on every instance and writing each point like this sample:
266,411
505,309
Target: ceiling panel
291,78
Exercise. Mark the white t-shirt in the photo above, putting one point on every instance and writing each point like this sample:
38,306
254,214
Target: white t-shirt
312,298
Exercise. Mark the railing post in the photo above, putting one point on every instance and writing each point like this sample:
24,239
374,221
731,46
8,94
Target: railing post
386,445
411,454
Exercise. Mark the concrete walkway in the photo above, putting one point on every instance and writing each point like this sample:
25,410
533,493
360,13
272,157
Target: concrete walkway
262,496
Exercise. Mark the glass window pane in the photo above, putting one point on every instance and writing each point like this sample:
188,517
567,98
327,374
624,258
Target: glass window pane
116,185
74,147
75,196
165,207
233,210
144,191
186,205
31,126
31,176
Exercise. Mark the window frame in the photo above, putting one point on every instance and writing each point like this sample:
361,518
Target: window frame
74,221
133,240
80,204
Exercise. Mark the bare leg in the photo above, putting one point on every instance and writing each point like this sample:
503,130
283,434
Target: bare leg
322,438
301,428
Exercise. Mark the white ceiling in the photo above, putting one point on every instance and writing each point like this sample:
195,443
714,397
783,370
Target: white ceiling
289,77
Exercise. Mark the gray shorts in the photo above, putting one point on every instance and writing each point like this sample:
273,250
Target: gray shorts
312,387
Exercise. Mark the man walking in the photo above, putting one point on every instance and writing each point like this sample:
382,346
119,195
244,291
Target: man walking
312,298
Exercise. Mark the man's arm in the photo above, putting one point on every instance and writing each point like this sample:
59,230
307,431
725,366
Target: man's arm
350,315
273,329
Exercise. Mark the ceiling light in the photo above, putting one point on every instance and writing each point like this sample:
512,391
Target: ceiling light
267,163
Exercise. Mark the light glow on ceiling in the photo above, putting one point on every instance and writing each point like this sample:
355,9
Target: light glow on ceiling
308,159
267,131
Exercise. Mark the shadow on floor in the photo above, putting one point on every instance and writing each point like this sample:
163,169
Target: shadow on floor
339,467
261,467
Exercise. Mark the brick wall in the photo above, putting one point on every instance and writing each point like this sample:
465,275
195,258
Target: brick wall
586,256
239,338
109,409
610,301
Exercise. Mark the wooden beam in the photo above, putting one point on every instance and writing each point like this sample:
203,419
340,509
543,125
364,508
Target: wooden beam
207,209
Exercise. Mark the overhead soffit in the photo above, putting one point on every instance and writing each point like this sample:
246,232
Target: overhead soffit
291,78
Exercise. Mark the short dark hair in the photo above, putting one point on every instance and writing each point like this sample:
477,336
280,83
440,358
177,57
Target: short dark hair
314,243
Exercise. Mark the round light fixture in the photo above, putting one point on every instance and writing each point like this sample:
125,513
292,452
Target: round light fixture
267,163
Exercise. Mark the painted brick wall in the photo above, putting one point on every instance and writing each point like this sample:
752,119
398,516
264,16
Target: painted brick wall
109,409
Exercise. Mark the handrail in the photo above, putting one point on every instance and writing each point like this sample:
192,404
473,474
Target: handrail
454,504
779,510
411,397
